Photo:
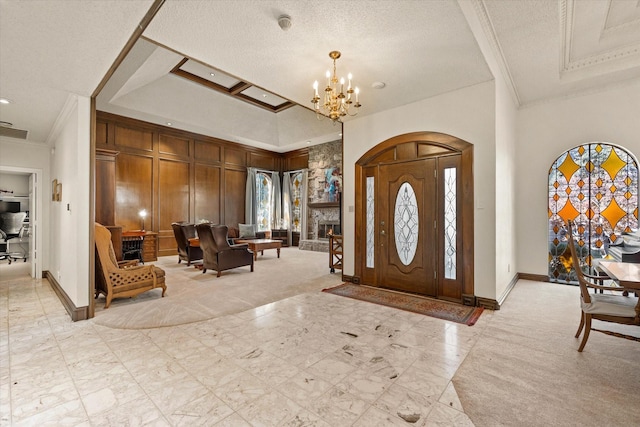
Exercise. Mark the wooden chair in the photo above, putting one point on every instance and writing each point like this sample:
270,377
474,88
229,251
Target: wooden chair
218,254
606,307
114,281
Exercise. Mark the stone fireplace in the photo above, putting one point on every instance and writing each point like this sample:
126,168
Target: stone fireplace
323,204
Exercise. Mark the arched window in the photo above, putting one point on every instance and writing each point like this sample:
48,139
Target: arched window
296,202
595,185
264,194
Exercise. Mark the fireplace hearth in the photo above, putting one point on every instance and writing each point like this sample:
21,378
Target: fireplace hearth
327,228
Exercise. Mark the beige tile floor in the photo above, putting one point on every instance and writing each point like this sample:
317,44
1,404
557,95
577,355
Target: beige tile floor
313,359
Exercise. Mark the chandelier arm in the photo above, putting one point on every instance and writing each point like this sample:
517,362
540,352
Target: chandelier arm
336,103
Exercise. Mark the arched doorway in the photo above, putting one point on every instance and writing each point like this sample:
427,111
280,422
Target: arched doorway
414,216
595,185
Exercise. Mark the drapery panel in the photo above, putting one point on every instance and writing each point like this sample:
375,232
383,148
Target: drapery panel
294,206
250,206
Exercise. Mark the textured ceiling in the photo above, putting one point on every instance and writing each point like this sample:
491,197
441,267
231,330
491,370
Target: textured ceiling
421,48
49,49
418,48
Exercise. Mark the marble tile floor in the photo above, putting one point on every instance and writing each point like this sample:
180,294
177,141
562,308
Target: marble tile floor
313,359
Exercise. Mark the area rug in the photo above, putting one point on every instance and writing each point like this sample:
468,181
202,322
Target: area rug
416,304
194,297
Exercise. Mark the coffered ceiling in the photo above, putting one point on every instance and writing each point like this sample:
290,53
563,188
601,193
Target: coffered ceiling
547,49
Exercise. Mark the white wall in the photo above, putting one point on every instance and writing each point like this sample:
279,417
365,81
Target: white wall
505,228
468,114
70,165
547,130
18,183
32,157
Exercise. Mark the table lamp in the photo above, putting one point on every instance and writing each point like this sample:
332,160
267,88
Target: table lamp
143,215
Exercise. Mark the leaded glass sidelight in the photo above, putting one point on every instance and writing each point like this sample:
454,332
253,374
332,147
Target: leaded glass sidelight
296,202
263,200
450,214
406,223
596,186
370,222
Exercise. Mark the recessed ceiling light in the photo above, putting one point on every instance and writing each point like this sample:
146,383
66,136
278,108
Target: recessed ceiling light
339,134
378,85
264,95
4,101
308,142
212,74
169,124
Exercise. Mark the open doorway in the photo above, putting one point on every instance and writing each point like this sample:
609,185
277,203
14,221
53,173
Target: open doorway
20,237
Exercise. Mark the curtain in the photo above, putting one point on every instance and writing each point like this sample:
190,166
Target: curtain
286,202
276,200
250,206
304,198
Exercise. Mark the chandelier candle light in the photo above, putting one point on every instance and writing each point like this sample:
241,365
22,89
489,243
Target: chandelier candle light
336,103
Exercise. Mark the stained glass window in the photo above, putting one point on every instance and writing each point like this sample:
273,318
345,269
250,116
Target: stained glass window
406,223
595,185
264,190
370,222
296,211
450,213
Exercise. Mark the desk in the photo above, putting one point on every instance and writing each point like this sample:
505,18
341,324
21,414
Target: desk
627,274
149,239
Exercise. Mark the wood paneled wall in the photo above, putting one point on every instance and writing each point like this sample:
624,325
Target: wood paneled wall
176,176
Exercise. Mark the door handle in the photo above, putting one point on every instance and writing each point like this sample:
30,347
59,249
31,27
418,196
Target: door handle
382,232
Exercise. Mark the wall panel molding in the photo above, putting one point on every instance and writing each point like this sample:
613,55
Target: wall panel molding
205,176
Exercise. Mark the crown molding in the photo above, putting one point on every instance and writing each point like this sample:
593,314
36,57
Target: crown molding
585,67
69,106
497,55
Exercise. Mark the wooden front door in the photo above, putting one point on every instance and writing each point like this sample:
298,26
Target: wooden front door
414,216
406,217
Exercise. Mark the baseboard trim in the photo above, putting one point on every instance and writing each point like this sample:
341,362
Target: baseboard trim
351,279
469,299
488,303
509,288
534,277
76,313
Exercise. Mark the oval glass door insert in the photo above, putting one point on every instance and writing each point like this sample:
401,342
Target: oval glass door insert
406,223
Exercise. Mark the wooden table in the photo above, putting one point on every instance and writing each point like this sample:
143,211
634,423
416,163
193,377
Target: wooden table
627,274
260,245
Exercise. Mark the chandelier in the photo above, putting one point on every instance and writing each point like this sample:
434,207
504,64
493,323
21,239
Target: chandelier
336,103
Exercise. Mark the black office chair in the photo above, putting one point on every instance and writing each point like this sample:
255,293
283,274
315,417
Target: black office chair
3,246
8,241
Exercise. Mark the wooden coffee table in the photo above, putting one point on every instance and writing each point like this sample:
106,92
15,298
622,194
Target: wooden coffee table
260,245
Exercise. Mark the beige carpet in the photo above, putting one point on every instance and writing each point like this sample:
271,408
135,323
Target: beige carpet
192,296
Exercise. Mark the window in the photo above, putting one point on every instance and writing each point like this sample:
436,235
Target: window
371,222
264,195
596,185
450,221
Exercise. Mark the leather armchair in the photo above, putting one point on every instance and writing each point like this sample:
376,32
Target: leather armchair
183,232
218,254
